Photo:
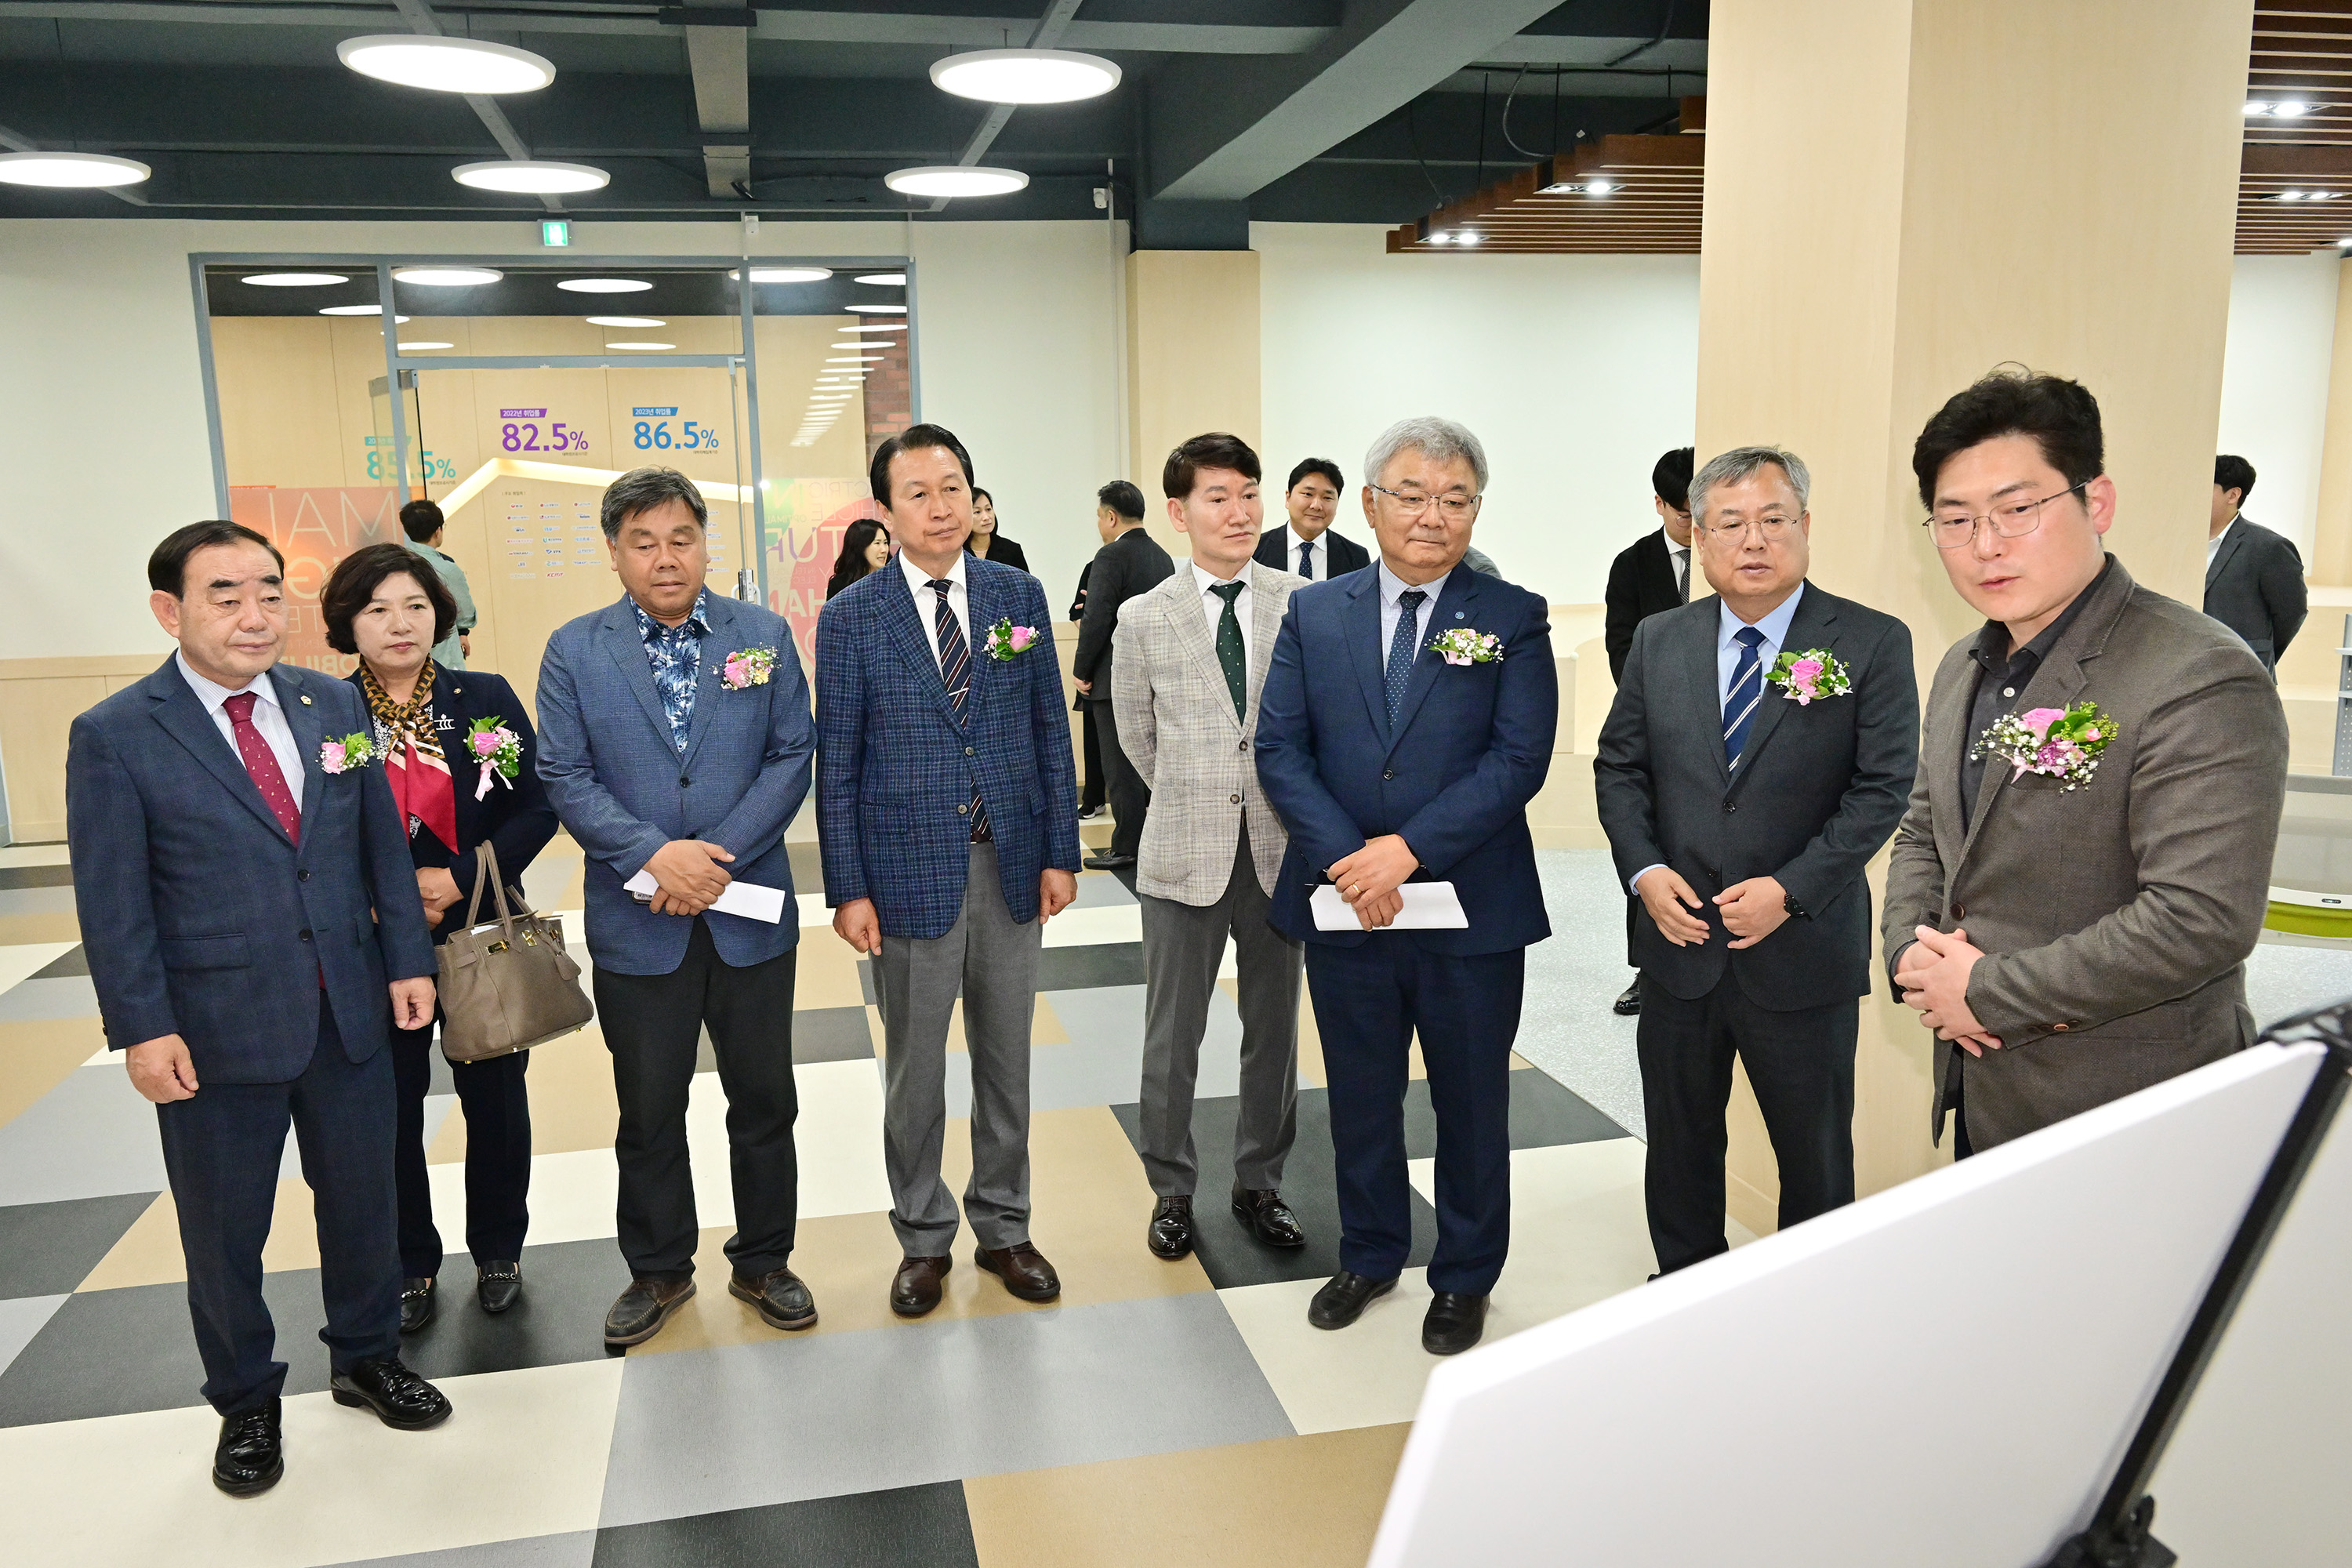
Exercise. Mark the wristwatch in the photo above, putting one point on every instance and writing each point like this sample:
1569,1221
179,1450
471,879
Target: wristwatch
1789,902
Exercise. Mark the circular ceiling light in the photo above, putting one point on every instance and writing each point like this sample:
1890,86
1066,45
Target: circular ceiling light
642,348
412,348
875,327
296,279
1025,76
883,279
784,274
443,276
355,310
604,285
531,177
878,309
71,171
445,65
954,179
854,343
627,321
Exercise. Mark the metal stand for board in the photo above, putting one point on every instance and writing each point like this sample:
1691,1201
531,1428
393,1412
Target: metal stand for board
2342,766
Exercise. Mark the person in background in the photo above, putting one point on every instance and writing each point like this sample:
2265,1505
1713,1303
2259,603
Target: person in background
675,741
864,547
1305,546
247,907
2253,577
985,541
426,527
381,607
1481,563
1092,793
1129,562
1650,576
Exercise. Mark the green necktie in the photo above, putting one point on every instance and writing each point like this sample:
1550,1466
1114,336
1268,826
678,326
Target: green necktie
1230,656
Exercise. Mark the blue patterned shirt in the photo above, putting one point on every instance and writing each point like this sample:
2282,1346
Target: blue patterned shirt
676,654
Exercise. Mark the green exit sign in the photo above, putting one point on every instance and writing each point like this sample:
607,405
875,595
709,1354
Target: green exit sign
555,232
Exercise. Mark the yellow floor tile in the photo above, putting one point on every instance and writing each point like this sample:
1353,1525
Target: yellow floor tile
149,1252
572,1105
35,1057
826,975
18,931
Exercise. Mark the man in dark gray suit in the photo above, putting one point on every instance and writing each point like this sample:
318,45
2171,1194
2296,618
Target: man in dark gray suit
1758,753
2253,577
1129,562
2076,933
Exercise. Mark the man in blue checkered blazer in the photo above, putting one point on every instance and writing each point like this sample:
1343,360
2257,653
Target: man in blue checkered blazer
947,807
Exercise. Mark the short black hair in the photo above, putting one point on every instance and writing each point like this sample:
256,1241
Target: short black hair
359,575
167,569
421,520
2061,415
1123,497
913,438
1670,479
1323,466
2234,474
1216,450
644,490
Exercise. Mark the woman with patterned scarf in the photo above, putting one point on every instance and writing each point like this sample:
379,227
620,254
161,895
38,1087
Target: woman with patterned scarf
380,606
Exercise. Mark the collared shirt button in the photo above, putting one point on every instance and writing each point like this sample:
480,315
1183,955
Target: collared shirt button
2009,691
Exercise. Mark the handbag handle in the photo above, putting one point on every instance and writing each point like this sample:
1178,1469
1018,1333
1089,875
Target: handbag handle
486,866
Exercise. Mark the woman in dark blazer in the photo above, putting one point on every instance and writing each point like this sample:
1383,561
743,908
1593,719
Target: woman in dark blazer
985,541
864,547
379,606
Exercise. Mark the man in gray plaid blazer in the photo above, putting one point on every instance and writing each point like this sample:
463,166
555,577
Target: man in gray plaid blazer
1190,658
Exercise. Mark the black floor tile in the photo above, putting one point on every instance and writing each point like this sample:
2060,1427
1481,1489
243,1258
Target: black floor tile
12,876
831,1034
74,961
1096,964
566,1288
48,1250
1542,1113
907,1527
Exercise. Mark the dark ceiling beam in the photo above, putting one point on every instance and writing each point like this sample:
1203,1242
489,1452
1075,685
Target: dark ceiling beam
717,56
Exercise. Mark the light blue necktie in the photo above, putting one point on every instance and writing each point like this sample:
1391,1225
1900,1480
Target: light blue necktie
1747,691
1307,560
1402,648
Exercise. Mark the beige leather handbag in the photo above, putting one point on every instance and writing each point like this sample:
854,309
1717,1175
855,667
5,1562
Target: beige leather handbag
506,984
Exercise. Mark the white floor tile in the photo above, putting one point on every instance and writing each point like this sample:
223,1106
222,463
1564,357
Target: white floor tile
22,961
1087,925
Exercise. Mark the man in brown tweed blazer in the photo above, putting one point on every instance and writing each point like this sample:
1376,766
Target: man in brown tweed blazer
2072,892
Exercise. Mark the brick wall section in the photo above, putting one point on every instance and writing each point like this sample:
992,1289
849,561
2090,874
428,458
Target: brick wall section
890,399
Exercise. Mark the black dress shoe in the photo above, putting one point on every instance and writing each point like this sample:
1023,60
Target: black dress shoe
415,1304
1629,1001
1107,861
1171,1236
784,1302
251,1453
637,1314
1454,1323
1023,1269
1268,1217
1343,1299
498,1284
401,1399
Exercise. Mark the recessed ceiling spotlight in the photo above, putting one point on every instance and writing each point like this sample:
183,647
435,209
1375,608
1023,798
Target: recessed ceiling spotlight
531,177
356,311
883,279
1468,237
2290,109
74,171
784,274
445,65
2256,106
411,348
627,321
1441,238
878,309
443,276
642,348
295,279
1025,76
2290,196
954,179
1598,187
604,285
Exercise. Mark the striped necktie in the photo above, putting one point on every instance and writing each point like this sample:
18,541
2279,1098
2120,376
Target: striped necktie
1747,691
955,670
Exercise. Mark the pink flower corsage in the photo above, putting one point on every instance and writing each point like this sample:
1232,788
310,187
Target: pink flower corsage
2063,744
342,756
750,668
1806,677
497,749
1465,646
1006,640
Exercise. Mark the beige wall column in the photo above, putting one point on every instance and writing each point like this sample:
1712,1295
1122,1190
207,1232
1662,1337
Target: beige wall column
2331,553
1192,361
1900,195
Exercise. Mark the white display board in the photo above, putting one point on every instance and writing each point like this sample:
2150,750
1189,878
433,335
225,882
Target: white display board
1943,1375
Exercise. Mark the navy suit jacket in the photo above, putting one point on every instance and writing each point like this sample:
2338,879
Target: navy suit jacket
201,918
896,766
623,789
1341,554
1470,748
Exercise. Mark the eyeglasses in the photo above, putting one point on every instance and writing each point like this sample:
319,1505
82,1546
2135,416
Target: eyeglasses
1772,529
1412,504
2010,520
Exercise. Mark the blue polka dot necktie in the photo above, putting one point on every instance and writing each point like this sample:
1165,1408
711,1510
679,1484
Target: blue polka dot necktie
1404,647
1307,560
1747,691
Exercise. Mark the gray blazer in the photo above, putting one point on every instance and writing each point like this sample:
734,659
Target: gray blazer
2253,585
2116,918
1176,724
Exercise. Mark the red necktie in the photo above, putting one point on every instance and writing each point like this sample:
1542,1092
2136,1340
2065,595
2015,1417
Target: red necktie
262,764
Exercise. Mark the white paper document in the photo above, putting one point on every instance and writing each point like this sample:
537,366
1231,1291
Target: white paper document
745,899
1428,906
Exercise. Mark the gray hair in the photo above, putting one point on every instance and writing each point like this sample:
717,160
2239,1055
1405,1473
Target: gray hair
1743,462
642,490
1441,440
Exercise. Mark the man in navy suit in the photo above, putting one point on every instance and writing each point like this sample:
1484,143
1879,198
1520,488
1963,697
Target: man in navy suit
1388,761
248,905
947,808
674,739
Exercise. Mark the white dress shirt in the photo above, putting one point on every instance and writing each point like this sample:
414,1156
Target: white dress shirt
927,603
1391,586
2213,545
1319,559
1214,607
269,720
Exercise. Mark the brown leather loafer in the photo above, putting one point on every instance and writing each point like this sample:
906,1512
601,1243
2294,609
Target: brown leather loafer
914,1288
782,1299
639,1311
1023,1269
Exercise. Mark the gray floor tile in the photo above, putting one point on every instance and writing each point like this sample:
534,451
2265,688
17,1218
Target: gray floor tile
65,964
35,877
576,1549
701,1431
36,900
1098,890
1566,1026
1060,1077
48,1250
20,1320
38,1001
905,1527
1096,963
2282,980
90,1136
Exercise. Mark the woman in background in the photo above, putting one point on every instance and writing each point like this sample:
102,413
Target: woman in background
864,547
985,541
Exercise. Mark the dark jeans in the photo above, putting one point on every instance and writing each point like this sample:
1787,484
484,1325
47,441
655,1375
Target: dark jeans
498,1154
1130,797
653,1025
1094,792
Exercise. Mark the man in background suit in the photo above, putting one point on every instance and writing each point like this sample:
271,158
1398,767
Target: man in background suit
2069,946
658,761
1387,762
1742,818
946,809
1306,546
247,913
1192,654
1129,562
2253,577
1649,576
